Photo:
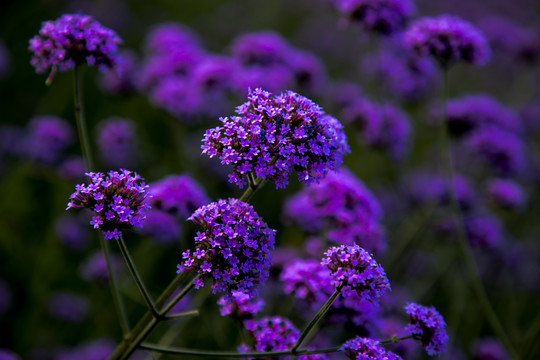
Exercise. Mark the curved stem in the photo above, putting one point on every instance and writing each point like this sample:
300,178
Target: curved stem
318,316
470,262
135,274
81,121
394,339
232,354
253,186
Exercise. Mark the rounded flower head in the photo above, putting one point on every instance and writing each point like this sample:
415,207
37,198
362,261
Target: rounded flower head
117,142
73,40
427,326
449,39
273,135
239,305
361,348
355,272
506,194
233,248
381,16
117,200
48,137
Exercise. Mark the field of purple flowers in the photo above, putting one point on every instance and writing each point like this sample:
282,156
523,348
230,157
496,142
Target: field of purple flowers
324,179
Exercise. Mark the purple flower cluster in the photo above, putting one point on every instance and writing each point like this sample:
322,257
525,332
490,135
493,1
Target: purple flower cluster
341,207
427,326
489,349
117,199
122,79
117,143
273,135
361,348
233,248
68,307
6,354
47,138
72,40
94,268
484,231
239,305
506,193
385,17
354,272
427,188
472,112
307,280
99,349
274,334
449,39
383,127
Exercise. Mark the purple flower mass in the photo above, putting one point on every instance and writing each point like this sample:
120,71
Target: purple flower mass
449,39
506,194
354,272
341,206
117,142
381,16
272,135
118,201
233,248
239,305
72,40
361,348
48,137
427,326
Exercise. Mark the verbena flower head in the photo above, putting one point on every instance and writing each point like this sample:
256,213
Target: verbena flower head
506,193
121,79
72,40
99,349
342,208
161,226
273,135
381,16
265,48
94,268
170,37
48,137
118,200
68,307
484,231
354,272
72,231
233,247
427,326
6,354
489,348
117,142
239,305
361,348
274,334
449,39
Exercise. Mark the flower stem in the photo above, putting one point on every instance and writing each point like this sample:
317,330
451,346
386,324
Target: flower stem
148,322
394,339
472,268
232,354
253,186
318,316
182,314
135,274
81,121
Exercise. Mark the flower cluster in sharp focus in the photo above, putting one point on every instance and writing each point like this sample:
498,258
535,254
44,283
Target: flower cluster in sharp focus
354,271
427,326
449,39
73,40
118,200
233,248
273,135
361,348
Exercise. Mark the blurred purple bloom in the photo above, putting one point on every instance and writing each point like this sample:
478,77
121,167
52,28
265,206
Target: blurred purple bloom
47,138
239,306
343,93
263,49
341,206
233,247
273,78
506,194
484,231
6,354
427,326
354,272
117,199
366,349
489,349
170,37
95,267
95,350
72,231
120,80
161,226
381,126
117,143
177,195
380,16
308,71
68,307
177,96
11,140
449,39
72,40
72,168
5,297
272,135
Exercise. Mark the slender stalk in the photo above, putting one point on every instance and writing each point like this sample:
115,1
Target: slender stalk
253,186
232,354
135,274
470,262
318,316
182,315
81,121
148,322
394,339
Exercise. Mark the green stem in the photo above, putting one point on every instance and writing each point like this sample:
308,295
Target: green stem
182,315
470,262
81,121
232,354
318,316
148,322
253,186
135,274
394,339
